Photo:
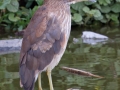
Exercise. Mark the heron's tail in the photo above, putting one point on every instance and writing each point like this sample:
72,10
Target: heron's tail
27,77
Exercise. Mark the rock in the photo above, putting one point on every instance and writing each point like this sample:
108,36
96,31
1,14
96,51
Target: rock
10,46
93,35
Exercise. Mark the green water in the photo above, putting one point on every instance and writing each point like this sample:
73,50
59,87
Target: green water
100,59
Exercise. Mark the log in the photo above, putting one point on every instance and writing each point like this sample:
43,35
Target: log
80,72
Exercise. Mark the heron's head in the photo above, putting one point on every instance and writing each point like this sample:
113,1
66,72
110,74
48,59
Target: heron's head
67,1
75,1
71,1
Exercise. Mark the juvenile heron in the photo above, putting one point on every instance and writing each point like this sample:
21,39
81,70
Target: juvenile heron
44,41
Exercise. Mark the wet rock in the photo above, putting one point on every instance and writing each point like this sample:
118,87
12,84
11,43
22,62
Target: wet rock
10,46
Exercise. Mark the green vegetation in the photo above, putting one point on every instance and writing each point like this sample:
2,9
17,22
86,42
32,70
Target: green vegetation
104,11
15,14
16,17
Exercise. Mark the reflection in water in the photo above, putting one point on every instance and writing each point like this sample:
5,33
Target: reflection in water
103,60
8,71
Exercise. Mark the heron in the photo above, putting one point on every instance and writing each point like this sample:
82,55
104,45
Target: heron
44,41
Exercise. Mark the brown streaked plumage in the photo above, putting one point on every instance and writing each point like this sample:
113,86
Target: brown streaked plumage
44,41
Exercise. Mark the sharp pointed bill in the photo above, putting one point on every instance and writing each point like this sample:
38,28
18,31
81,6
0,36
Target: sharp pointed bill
93,1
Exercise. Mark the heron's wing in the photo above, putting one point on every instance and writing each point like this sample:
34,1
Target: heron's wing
42,40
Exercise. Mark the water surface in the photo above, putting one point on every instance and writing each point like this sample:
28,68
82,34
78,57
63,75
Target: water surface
100,59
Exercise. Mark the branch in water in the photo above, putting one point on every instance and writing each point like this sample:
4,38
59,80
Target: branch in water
80,72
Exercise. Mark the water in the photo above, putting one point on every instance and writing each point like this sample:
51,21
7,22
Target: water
100,59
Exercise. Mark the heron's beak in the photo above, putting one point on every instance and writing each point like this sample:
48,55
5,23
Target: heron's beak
75,1
93,1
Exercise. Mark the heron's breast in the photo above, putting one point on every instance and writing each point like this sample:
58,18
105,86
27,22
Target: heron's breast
64,20
63,42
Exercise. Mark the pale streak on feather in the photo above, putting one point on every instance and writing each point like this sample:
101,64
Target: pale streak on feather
57,57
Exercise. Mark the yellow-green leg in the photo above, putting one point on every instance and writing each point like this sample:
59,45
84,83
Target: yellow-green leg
50,79
39,82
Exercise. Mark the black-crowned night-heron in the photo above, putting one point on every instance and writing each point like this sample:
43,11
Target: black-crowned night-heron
44,41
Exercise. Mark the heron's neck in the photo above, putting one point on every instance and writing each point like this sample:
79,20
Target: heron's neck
56,4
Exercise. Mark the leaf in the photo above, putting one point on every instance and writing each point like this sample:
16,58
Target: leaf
108,1
99,18
95,13
29,3
78,6
89,3
20,28
13,6
117,0
104,20
12,18
116,8
39,2
86,9
103,2
98,6
77,17
114,17
105,9
107,16
4,3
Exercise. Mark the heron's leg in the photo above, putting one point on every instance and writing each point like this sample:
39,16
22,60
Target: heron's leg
39,81
50,79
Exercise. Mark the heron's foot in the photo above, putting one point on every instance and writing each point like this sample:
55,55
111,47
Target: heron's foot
39,82
50,79
40,89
